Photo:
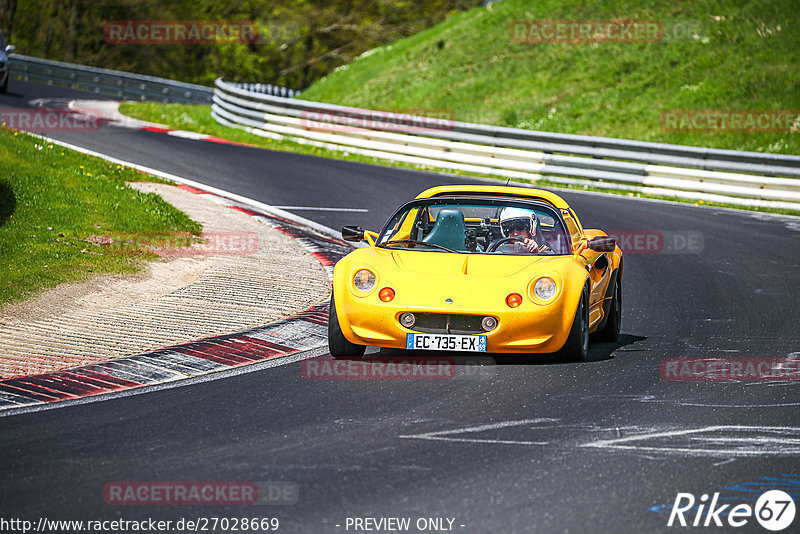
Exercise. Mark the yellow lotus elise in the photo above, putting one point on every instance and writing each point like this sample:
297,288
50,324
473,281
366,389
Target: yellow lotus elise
478,268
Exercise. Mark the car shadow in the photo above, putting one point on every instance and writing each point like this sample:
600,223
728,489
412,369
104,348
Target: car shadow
598,352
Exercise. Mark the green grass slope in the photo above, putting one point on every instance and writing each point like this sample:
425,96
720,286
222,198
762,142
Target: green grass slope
67,217
741,55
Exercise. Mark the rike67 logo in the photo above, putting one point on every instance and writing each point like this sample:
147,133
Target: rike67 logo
774,510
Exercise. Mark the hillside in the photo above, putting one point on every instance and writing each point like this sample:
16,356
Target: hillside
709,55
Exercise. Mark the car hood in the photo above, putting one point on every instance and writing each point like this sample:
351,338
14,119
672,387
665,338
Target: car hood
447,264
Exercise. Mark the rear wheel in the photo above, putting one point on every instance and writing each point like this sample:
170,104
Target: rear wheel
4,87
338,345
611,330
576,348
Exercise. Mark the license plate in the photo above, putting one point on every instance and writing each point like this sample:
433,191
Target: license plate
446,342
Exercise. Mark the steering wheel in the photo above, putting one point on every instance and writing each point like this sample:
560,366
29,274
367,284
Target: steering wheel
495,245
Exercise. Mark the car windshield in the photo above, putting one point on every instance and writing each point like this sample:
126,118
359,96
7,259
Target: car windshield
477,226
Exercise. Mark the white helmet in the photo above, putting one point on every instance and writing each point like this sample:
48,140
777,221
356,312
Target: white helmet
515,218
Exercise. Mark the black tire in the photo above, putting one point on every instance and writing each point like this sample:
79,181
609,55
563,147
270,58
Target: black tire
576,349
4,87
610,331
338,345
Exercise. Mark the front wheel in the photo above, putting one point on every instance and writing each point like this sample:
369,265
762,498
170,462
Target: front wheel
577,346
338,345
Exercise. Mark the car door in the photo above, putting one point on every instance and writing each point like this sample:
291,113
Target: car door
597,264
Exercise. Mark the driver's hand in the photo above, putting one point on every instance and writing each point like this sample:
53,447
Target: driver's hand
531,245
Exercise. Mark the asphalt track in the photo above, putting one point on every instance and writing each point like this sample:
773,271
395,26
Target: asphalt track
528,445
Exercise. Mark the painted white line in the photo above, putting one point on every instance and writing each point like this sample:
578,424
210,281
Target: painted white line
318,208
188,135
255,204
750,446
757,439
673,433
443,435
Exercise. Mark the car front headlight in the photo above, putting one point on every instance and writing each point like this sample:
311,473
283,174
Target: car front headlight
545,288
364,280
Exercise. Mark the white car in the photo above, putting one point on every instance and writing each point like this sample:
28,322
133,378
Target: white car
4,51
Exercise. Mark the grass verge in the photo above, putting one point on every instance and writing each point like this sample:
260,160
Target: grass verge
196,118
64,215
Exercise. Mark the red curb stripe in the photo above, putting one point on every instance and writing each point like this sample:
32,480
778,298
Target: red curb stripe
247,211
314,320
26,391
48,384
278,350
78,388
157,129
98,384
226,141
117,371
32,391
323,259
264,349
215,355
229,348
191,189
113,381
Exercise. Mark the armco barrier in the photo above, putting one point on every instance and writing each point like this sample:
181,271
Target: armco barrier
122,85
729,176
114,83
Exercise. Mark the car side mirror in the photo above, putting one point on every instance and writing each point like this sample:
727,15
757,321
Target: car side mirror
10,49
352,233
602,244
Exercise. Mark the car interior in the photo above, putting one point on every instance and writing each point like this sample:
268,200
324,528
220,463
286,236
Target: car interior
468,228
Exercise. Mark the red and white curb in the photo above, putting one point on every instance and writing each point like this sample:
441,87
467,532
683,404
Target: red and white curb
108,112
188,135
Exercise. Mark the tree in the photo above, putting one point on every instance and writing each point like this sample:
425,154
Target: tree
7,10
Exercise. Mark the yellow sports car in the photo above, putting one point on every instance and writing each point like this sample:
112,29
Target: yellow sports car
478,268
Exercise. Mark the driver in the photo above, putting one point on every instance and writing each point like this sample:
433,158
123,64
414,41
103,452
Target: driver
521,227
